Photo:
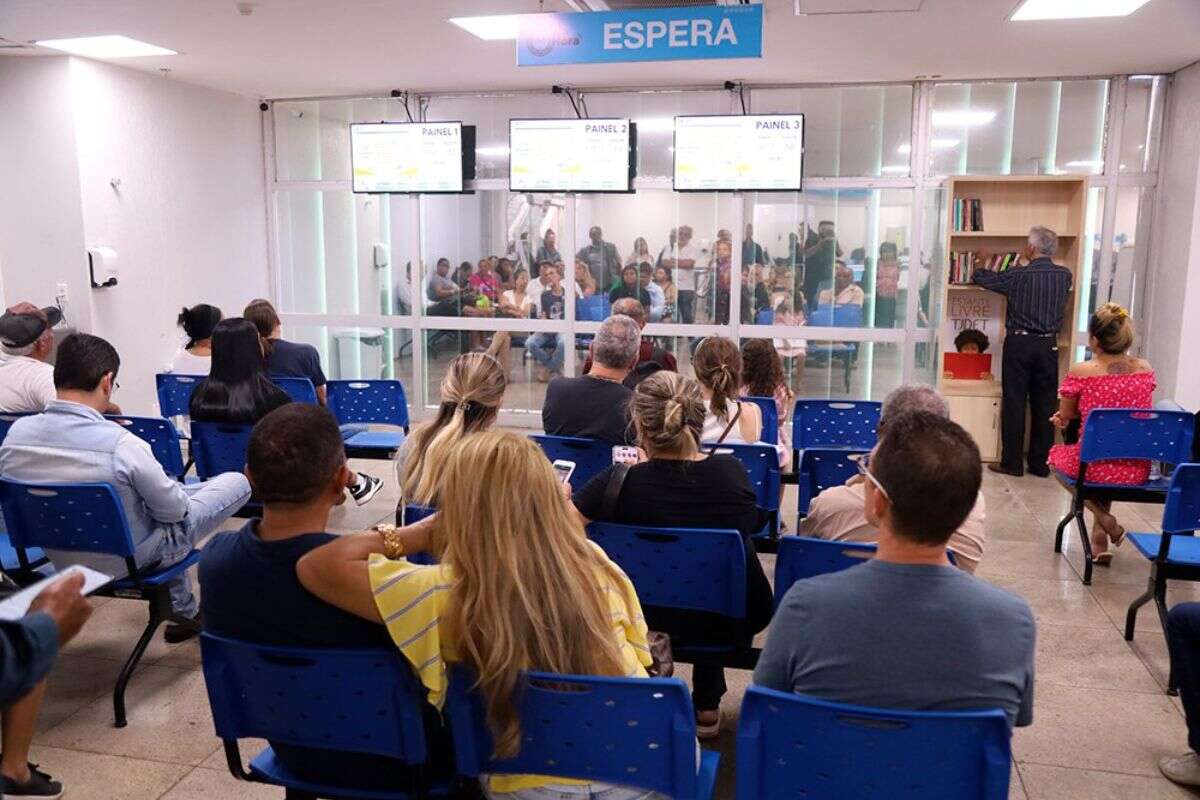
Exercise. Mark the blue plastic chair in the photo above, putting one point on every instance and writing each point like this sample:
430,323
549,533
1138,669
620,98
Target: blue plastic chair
1175,553
89,518
762,467
800,557
1112,433
362,701
219,447
591,457
415,513
821,468
844,316
301,390
764,316
175,395
162,438
637,732
358,402
770,418
791,745
593,309
835,423
7,419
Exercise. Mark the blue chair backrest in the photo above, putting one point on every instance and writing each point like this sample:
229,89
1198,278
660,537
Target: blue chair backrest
1182,511
7,419
765,316
1137,433
762,467
770,418
162,438
799,557
791,745
629,731
219,447
301,390
592,309
364,701
415,513
379,401
835,423
83,517
175,392
687,568
591,457
820,468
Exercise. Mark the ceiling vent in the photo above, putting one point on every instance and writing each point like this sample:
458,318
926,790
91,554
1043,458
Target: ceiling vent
632,5
9,44
816,7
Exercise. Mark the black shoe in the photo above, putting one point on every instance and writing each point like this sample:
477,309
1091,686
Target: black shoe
1003,470
1041,472
177,632
38,785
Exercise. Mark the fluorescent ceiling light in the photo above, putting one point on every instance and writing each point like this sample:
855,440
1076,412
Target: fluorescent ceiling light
964,118
1075,9
491,151
106,47
491,28
938,144
655,124
1084,165
894,168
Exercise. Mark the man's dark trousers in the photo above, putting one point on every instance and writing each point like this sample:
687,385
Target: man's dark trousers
1030,374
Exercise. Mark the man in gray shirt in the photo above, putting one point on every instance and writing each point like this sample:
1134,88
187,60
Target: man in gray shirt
906,630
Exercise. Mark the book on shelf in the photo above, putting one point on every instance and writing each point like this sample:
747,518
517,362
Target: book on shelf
968,214
963,264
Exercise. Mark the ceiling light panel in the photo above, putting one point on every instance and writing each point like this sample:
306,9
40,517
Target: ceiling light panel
1075,9
109,46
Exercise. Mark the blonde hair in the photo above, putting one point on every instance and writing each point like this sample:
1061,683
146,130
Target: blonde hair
471,394
1112,328
669,411
718,367
508,612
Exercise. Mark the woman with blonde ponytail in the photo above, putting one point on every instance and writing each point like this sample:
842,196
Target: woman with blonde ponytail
680,486
489,605
1110,379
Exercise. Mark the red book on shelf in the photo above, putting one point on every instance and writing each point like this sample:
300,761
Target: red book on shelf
967,366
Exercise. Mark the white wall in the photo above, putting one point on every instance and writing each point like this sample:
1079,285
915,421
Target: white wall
1173,305
188,219
41,223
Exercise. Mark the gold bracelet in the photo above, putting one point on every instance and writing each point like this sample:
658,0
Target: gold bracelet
393,545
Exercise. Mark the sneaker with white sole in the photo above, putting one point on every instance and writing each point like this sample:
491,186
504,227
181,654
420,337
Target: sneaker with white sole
366,488
708,730
1184,769
39,785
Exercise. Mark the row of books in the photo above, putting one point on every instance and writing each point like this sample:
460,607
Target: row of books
964,264
968,214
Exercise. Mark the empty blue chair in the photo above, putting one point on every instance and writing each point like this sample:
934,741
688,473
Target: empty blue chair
593,309
800,557
762,467
362,701
843,316
175,393
770,418
591,457
7,419
301,390
1112,433
819,469
628,731
791,745
356,403
764,316
162,438
89,518
1175,553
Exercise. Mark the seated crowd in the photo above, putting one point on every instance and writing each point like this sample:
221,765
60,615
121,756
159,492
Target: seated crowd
517,584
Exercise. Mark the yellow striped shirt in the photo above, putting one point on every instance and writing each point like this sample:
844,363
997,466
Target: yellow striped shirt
412,599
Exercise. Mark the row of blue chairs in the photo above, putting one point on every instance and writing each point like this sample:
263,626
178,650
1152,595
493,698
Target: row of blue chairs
636,732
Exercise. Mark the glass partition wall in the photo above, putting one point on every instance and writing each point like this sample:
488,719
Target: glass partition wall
844,277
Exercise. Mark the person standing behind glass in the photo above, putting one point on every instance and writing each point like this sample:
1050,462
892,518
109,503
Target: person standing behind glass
819,259
641,251
548,251
887,285
1037,295
752,251
602,259
683,258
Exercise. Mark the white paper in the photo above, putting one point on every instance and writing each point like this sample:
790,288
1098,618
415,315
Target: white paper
17,606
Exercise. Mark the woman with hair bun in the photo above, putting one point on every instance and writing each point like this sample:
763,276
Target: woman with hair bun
195,356
718,367
1110,379
680,486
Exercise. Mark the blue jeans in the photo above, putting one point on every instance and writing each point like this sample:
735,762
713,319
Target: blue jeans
589,791
687,305
547,350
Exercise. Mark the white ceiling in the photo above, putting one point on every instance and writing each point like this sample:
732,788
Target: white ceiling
294,48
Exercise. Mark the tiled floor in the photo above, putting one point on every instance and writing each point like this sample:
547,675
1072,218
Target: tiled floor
1101,717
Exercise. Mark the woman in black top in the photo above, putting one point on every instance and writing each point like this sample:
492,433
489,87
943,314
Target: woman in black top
681,487
630,286
237,388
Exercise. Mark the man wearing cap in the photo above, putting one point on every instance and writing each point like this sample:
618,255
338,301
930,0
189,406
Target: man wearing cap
26,339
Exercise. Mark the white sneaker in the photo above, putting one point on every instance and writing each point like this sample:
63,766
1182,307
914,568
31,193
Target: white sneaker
367,488
1184,769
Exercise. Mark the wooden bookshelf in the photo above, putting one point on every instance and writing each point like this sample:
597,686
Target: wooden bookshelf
1010,206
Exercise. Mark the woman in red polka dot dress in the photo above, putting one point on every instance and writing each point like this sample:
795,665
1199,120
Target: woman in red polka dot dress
1110,379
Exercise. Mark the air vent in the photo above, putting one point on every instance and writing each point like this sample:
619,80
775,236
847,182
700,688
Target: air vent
817,7
9,44
626,5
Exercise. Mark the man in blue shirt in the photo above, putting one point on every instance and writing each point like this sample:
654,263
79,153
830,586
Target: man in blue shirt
907,630
1037,297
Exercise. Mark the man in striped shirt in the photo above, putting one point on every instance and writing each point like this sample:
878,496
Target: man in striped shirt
1037,295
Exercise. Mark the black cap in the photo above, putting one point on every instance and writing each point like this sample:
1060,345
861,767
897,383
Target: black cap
22,324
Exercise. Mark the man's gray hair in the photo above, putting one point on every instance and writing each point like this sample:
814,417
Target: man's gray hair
913,397
616,345
1043,240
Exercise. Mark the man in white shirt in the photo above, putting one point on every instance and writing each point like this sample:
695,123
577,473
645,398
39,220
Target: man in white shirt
26,340
658,300
837,513
683,260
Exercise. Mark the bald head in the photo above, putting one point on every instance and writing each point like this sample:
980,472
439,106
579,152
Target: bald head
632,308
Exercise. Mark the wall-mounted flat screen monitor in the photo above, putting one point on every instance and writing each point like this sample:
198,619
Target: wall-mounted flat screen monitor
411,157
755,152
571,155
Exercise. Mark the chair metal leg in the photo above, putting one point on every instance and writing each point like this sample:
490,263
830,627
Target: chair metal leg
1131,614
296,794
156,619
1058,532
1087,548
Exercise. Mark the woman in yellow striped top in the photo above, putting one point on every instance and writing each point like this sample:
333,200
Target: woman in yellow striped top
515,565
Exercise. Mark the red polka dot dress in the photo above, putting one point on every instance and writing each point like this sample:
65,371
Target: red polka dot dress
1130,390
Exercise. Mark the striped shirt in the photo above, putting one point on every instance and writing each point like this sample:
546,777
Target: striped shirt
1037,294
412,600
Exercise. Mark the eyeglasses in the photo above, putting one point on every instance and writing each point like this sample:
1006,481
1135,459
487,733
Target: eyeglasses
863,463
